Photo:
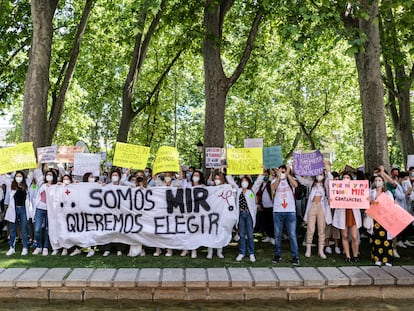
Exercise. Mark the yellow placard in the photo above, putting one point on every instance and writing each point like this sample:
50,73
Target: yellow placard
244,161
131,156
19,157
166,160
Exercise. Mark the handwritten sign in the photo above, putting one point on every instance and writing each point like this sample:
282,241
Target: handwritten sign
253,143
88,214
65,154
247,161
213,157
87,163
166,160
308,164
389,214
272,157
18,157
349,194
47,154
131,156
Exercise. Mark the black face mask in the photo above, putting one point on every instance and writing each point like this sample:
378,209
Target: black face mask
140,179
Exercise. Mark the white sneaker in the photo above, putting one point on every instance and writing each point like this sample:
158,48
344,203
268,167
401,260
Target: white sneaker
220,254
239,257
55,252
252,258
272,241
64,252
401,244
24,251
378,263
76,252
395,253
142,253
157,252
194,253
328,250
169,253
119,253
45,252
106,253
337,250
388,264
90,253
236,237
266,239
10,252
408,243
184,253
37,251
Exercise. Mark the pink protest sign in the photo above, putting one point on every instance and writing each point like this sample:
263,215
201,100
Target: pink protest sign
349,194
389,214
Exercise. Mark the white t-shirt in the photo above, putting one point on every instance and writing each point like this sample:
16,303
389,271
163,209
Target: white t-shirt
284,199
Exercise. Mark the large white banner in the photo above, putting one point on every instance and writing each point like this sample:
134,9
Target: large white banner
88,214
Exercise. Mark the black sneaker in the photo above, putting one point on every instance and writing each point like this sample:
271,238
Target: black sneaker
355,259
277,259
295,261
347,260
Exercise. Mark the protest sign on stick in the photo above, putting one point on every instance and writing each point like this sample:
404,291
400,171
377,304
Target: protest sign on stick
87,163
213,157
47,154
65,154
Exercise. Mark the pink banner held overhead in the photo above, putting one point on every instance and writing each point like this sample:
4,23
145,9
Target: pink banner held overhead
349,194
390,215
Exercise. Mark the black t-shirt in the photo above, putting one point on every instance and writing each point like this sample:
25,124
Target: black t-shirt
20,197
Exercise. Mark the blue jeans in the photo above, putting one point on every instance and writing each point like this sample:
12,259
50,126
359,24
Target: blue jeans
40,217
246,230
287,219
20,215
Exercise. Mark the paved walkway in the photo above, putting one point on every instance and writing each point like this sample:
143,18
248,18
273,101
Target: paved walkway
325,283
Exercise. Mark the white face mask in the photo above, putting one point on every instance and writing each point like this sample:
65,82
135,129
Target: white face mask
345,178
49,178
196,179
19,179
92,179
114,178
282,176
319,177
379,184
217,182
146,174
167,179
244,184
66,181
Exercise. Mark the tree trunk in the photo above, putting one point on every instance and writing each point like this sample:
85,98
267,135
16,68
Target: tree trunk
217,84
372,91
37,78
138,57
59,100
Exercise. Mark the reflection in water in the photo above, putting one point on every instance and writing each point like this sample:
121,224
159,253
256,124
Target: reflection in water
262,305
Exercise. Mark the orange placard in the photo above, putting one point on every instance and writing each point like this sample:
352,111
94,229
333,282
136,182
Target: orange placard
389,214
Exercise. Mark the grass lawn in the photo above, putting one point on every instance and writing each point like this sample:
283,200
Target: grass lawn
263,251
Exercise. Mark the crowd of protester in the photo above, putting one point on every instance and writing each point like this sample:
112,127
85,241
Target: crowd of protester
275,204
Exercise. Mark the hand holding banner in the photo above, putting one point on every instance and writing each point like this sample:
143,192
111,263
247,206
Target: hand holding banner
246,161
131,156
16,158
389,214
166,160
